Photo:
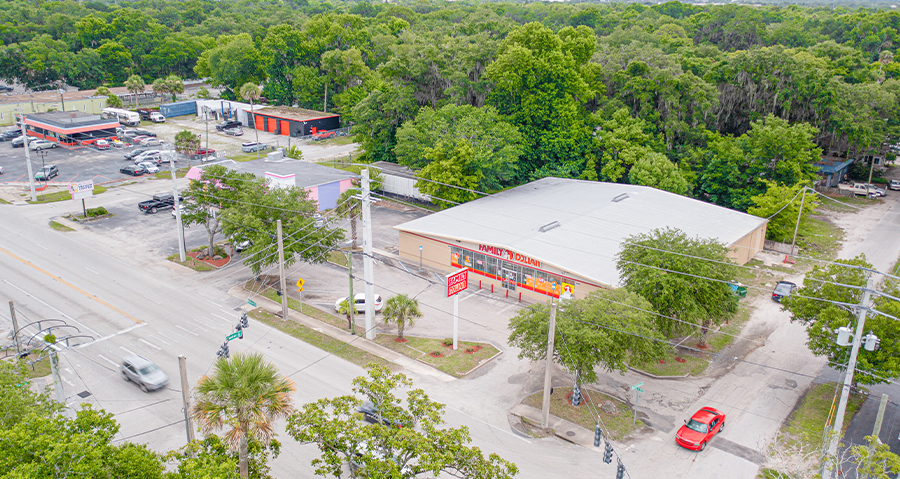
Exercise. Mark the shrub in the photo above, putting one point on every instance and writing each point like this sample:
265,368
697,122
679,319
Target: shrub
94,212
448,342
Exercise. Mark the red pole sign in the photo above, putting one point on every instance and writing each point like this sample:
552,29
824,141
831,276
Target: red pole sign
457,282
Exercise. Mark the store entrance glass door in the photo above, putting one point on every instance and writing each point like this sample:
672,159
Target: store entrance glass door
508,279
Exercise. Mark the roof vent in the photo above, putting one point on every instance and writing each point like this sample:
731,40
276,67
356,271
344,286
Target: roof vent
549,226
620,197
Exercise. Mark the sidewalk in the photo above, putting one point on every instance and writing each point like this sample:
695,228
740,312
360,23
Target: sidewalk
344,336
563,429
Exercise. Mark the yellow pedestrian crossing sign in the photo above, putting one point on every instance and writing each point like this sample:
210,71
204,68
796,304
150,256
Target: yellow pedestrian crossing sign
300,285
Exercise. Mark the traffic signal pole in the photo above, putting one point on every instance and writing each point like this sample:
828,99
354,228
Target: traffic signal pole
186,397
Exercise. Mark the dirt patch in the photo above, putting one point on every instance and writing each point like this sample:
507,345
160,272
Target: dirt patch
217,263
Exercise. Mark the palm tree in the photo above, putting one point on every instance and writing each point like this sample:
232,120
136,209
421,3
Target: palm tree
247,395
251,92
134,84
159,87
350,206
174,85
402,310
348,307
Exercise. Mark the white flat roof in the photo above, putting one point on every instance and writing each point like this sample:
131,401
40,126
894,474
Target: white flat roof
592,219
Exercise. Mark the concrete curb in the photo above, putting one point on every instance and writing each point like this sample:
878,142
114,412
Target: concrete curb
565,430
344,336
649,375
67,222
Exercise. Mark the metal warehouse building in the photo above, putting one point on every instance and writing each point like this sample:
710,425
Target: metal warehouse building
295,122
554,234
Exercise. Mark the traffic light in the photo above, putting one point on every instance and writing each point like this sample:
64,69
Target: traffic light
244,322
620,471
598,435
223,351
240,329
607,453
576,396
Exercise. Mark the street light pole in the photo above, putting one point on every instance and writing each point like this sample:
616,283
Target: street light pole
828,470
548,376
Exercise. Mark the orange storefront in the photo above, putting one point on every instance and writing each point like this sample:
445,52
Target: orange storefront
294,122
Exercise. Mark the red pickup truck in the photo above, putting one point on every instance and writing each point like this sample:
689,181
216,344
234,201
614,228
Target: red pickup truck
322,135
203,154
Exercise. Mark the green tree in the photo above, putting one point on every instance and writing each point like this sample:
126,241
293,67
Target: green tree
420,446
251,93
117,61
245,395
602,329
211,458
875,460
17,399
379,115
347,307
682,277
350,206
231,63
174,85
135,85
402,311
186,143
657,171
160,87
496,144
622,141
812,306
449,178
217,188
113,101
784,203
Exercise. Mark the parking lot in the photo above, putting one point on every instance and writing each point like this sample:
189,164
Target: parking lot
74,165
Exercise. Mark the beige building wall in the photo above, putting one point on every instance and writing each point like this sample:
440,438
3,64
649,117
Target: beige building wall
744,248
91,106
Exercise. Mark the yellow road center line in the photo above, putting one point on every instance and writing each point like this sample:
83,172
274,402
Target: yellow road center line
76,288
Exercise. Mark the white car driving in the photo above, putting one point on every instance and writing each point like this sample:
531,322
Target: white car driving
360,303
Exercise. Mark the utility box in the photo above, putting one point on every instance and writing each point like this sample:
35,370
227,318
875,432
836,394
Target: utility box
276,155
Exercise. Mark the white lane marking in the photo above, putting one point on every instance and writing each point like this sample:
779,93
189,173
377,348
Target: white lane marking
39,246
212,302
108,360
187,330
92,271
148,343
66,380
170,338
123,348
164,341
467,297
54,309
504,309
220,317
104,338
67,370
199,324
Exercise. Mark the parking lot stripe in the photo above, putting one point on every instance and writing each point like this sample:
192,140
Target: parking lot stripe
108,360
123,348
148,343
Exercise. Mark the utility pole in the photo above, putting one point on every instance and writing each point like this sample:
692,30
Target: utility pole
206,120
186,397
12,314
797,226
284,302
57,379
179,226
368,264
352,301
27,154
548,376
863,307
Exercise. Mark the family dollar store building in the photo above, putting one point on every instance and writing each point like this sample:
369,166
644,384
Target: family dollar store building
555,234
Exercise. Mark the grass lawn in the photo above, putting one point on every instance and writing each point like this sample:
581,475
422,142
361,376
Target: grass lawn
167,175
60,227
335,141
321,340
807,422
819,238
309,310
337,258
191,263
455,363
4,202
248,156
618,426
694,364
857,201
64,195
38,369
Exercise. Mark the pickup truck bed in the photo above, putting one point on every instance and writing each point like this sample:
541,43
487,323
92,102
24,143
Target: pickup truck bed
157,203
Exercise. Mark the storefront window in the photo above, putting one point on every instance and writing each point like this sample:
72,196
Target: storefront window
528,278
455,256
492,266
479,262
541,282
555,285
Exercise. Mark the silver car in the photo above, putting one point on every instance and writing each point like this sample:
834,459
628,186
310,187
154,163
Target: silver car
144,373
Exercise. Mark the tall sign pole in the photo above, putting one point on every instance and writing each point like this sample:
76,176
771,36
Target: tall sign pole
177,203
368,264
548,376
457,282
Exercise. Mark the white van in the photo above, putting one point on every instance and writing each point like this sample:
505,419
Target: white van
157,117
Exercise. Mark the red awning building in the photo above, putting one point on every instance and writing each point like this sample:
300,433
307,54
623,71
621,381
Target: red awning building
70,128
295,122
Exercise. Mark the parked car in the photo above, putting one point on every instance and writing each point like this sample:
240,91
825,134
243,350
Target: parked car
133,170
157,203
150,141
102,144
143,132
700,429
360,300
323,135
228,124
47,173
895,185
783,289
11,134
203,154
149,166
135,152
5,89
123,133
251,146
1,170
18,142
238,131
372,415
38,145
144,373
148,155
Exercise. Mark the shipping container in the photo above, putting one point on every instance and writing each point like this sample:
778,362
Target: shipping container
179,108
